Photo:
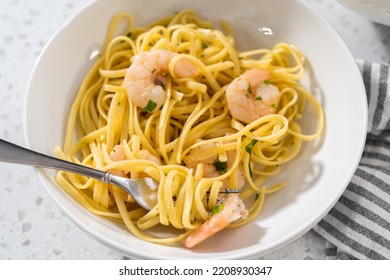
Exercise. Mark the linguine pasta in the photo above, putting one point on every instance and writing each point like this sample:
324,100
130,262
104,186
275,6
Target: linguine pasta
192,125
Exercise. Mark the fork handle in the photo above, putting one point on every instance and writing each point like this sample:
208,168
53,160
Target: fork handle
12,153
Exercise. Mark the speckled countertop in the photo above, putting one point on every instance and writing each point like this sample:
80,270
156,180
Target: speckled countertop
31,225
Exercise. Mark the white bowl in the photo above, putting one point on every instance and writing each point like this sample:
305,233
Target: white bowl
316,179
375,10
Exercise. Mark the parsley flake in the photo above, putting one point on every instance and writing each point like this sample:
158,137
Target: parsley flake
220,166
216,209
149,107
259,98
267,82
249,147
129,34
250,170
249,89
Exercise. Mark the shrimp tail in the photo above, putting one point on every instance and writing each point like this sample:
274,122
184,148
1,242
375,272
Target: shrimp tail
232,209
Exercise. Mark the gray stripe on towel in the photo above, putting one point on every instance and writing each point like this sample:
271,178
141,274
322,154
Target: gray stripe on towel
359,224
349,243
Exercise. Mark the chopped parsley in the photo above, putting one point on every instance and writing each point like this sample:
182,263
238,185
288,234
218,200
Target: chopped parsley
259,98
149,107
275,105
129,34
250,170
249,147
267,82
216,209
249,89
257,196
220,166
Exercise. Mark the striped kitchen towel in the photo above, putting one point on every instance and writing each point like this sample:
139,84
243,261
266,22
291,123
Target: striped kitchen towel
359,224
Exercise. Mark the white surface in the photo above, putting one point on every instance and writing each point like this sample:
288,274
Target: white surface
376,10
31,225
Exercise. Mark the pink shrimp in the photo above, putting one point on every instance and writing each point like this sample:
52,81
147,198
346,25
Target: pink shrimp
118,154
145,77
212,166
231,209
251,96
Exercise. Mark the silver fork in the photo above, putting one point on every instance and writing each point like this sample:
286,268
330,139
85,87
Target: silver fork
143,190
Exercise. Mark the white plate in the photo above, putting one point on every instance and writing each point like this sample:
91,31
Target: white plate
317,178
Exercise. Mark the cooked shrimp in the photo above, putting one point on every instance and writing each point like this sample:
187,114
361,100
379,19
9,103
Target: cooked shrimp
213,167
251,96
184,68
145,154
231,209
118,154
145,77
